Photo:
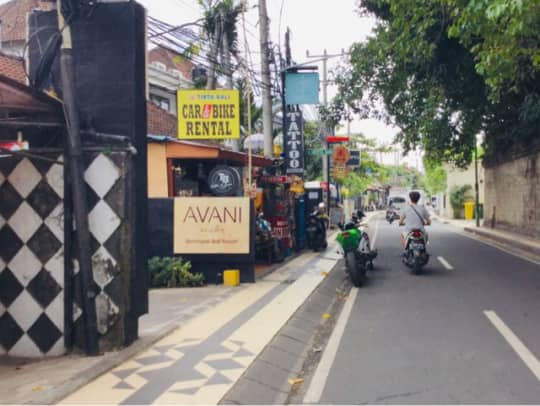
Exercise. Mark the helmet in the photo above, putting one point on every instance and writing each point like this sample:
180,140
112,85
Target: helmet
322,205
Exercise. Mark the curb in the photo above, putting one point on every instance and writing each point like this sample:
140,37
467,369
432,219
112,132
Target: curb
522,245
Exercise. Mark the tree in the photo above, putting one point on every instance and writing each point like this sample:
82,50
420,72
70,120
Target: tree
313,142
220,19
435,177
421,72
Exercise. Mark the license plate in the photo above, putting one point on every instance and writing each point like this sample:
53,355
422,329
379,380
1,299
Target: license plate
417,246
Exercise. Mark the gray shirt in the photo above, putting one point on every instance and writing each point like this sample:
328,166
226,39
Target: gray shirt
412,220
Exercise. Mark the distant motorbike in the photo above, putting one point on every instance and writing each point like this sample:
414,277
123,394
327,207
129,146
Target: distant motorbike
357,252
415,255
316,232
391,215
266,246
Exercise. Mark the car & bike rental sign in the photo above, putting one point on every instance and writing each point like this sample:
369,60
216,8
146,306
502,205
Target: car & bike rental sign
208,114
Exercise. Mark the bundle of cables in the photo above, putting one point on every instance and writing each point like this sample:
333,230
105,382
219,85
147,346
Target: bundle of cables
71,10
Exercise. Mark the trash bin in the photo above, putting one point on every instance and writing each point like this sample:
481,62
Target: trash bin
480,210
469,210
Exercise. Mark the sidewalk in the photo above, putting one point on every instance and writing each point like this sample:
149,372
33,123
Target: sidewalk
193,346
509,240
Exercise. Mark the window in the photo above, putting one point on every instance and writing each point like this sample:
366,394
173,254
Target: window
160,66
159,101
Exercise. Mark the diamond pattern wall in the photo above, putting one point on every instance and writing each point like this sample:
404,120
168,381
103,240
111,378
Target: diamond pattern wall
31,257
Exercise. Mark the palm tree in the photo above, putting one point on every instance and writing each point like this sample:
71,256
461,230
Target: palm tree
220,18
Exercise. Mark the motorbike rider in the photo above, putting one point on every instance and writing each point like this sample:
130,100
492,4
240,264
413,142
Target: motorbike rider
414,217
321,214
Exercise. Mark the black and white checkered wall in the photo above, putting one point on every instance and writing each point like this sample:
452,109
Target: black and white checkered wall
31,257
105,176
32,271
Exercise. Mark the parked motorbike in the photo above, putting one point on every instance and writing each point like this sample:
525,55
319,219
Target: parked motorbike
266,245
359,256
415,255
316,232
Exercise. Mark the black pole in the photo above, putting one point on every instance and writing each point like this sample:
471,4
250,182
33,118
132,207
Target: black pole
78,187
476,192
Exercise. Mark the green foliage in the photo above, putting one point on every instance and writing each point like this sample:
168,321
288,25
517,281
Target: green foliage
312,141
444,70
435,178
172,272
457,198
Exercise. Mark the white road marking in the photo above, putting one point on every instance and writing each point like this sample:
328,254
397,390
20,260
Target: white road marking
316,387
517,345
375,234
445,263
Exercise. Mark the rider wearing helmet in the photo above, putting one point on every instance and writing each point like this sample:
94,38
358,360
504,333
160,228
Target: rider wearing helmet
414,217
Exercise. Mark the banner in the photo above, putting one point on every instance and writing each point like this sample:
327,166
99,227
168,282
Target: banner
208,114
294,141
211,225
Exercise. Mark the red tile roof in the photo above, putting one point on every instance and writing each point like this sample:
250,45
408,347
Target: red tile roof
12,67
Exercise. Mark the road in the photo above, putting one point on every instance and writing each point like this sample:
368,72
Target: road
467,330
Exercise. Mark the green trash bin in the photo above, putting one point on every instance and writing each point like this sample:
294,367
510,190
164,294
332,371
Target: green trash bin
469,210
480,211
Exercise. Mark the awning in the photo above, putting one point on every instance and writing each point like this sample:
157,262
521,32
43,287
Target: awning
179,149
22,106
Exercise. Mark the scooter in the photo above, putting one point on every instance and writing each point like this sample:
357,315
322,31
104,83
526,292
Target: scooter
391,215
316,232
415,255
266,246
356,250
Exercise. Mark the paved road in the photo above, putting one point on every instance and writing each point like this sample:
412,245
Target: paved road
470,334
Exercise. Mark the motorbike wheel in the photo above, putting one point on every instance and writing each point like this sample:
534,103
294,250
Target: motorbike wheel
277,253
417,264
355,273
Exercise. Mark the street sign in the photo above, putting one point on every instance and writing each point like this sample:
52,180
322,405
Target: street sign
355,158
332,139
318,152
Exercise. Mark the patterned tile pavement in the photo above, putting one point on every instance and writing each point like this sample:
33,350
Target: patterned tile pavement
199,363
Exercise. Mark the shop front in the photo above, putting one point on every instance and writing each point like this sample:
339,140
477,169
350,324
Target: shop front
200,206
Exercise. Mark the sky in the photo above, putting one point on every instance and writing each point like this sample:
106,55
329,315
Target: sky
315,25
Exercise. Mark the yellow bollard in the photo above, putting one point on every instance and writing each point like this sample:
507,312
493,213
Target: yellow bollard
231,277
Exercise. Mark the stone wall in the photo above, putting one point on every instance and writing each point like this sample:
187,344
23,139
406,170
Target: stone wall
513,194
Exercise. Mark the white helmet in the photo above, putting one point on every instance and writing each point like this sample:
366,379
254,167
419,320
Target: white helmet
322,205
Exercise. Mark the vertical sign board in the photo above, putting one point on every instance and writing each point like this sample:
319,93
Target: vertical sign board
208,114
294,141
211,225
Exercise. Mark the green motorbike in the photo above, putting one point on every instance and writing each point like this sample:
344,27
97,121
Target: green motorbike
357,252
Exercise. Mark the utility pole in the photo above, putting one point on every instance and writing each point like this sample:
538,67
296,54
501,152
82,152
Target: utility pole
266,84
75,155
326,157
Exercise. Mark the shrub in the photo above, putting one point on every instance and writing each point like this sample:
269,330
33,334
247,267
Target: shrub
172,272
457,198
